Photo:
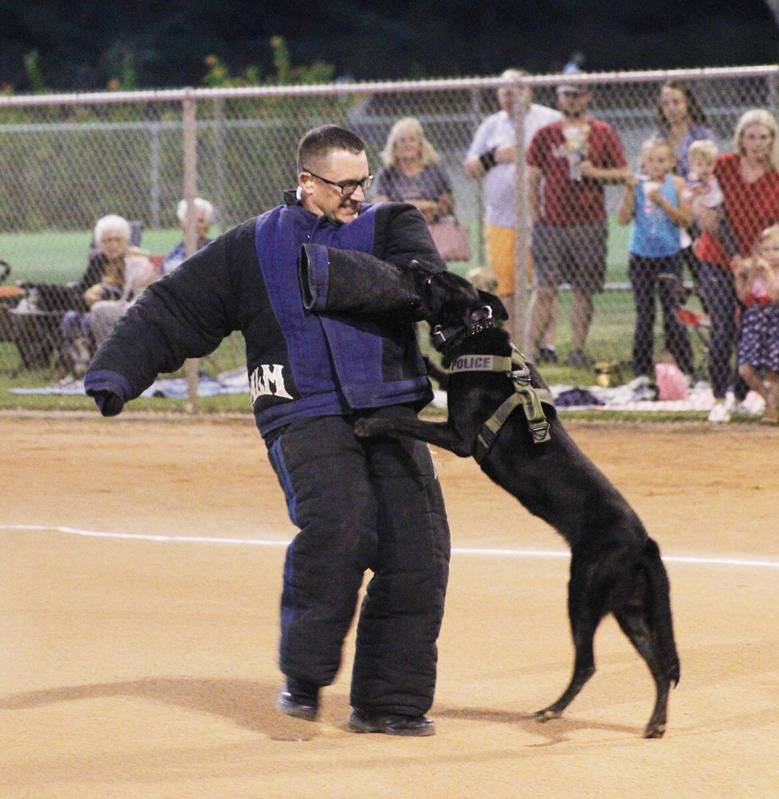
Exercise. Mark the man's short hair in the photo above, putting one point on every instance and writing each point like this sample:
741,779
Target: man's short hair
318,142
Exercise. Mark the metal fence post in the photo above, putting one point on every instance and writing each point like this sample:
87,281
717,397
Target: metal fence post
520,302
221,210
154,173
475,108
189,122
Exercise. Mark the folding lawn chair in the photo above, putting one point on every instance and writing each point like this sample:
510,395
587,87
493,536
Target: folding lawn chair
697,323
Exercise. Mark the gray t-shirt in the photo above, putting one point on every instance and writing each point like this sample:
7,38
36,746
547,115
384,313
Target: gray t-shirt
429,184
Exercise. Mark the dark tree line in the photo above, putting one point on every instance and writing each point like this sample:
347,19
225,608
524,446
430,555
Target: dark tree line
61,44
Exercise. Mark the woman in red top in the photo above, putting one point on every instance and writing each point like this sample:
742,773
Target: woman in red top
749,179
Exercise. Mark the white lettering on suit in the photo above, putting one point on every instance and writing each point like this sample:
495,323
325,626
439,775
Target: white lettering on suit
268,381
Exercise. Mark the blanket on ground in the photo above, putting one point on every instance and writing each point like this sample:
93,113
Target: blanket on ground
595,398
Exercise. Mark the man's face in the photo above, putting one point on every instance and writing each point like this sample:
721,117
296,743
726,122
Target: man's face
324,199
573,104
506,97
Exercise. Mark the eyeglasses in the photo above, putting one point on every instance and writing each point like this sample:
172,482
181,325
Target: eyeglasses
346,187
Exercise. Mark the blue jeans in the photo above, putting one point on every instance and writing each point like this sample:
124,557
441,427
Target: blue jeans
719,296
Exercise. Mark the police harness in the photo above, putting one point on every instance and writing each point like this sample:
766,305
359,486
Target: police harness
513,366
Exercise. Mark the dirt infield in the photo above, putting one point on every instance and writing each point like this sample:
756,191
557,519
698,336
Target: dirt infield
140,587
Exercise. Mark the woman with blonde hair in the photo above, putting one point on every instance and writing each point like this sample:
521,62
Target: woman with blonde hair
412,172
749,180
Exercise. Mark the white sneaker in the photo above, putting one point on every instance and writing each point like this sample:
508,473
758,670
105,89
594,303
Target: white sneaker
720,413
753,405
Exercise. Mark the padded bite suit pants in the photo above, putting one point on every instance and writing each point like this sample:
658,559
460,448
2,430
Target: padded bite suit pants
362,504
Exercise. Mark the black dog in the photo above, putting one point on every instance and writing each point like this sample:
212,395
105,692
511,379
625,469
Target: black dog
615,566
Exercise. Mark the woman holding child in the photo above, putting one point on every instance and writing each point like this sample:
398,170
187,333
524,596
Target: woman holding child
749,181
682,123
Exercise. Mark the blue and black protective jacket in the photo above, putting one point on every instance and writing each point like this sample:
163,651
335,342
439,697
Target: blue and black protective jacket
326,312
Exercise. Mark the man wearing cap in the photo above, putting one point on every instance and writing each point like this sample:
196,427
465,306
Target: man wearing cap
569,163
492,157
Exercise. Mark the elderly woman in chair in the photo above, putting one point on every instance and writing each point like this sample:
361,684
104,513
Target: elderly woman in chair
116,273
122,274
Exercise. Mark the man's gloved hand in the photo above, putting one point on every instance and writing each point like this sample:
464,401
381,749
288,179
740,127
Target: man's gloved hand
110,404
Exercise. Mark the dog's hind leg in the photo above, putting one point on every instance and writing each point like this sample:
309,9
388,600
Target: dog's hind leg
595,588
585,611
646,620
632,619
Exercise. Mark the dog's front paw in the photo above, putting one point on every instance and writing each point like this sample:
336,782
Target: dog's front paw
547,714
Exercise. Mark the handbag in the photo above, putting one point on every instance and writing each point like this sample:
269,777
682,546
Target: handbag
450,239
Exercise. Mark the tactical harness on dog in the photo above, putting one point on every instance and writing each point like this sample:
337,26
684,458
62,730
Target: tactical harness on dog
514,366
530,398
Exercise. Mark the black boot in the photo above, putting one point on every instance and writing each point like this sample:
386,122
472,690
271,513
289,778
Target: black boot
300,699
390,723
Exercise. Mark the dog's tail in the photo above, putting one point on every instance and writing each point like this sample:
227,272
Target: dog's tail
661,608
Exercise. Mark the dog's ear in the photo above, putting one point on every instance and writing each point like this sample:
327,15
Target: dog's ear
499,311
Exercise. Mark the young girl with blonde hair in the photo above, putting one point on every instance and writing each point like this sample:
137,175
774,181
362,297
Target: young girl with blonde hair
657,203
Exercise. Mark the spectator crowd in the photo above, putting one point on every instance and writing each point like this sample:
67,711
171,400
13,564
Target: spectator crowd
698,218
701,222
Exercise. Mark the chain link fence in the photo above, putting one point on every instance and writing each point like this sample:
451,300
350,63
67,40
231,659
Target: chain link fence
66,161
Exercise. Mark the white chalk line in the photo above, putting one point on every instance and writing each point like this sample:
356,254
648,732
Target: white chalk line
259,542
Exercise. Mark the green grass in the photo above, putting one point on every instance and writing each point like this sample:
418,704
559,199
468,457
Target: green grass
232,403
58,257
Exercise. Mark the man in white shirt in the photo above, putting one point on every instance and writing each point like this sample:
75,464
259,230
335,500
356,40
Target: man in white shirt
492,157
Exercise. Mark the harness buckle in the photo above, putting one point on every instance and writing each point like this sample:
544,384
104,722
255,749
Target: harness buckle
483,444
521,375
437,334
539,430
